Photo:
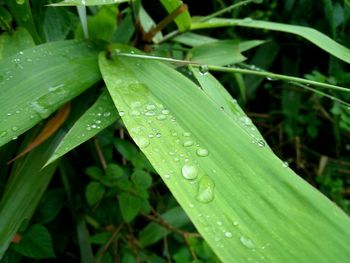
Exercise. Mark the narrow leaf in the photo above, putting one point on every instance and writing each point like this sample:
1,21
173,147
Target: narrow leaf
183,21
39,80
266,212
88,2
99,116
314,36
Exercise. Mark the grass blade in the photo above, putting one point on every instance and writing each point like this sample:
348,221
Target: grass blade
99,116
265,211
314,36
183,21
37,81
88,2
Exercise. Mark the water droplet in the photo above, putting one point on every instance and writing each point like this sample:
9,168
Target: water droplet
285,164
135,104
167,176
3,133
165,111
20,2
150,113
202,152
150,107
235,223
247,20
247,242
219,223
186,134
222,108
161,117
269,78
132,52
261,143
203,69
8,114
151,135
14,137
106,114
228,234
246,120
135,113
14,128
158,135
205,192
142,142
188,143
121,113
190,172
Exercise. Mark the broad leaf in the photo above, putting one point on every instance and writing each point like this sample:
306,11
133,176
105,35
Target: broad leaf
314,36
207,159
37,81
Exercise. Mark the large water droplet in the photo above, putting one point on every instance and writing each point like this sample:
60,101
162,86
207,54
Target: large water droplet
285,164
121,113
203,69
202,152
189,171
142,142
205,192
228,234
247,242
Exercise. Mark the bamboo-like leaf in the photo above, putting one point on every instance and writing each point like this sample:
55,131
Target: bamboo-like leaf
183,21
99,116
37,81
27,183
314,36
13,43
244,201
88,2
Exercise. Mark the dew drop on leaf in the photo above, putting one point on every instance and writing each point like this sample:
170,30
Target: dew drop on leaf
202,152
142,142
261,143
203,69
247,242
189,172
188,143
205,192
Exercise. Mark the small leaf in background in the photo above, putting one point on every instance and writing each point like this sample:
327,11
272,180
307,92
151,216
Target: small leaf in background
114,171
129,206
94,172
36,242
15,42
6,18
94,193
57,24
50,205
141,179
100,238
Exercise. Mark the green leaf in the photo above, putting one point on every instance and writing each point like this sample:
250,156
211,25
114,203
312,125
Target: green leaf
88,2
193,39
50,205
125,30
100,238
57,24
153,232
101,25
99,116
265,210
147,24
314,36
39,80
141,179
114,171
183,21
218,53
130,206
94,193
24,190
15,42
35,243
5,19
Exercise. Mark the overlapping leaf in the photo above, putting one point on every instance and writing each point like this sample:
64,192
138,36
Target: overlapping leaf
37,81
246,203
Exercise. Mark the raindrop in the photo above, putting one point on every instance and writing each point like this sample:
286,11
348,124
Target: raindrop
186,134
269,78
3,133
150,113
150,107
14,128
190,172
135,104
167,176
222,108
20,2
158,135
135,113
247,242
205,192
245,120
285,164
121,113
228,234
106,114
202,152
248,20
188,143
14,137
166,112
151,135
203,69
261,143
142,142
174,134
161,117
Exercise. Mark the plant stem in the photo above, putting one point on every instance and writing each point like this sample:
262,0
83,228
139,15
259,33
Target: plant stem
223,11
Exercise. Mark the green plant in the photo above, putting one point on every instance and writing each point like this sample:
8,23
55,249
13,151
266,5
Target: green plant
158,91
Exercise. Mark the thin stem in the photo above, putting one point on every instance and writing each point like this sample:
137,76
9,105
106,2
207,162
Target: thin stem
100,154
226,9
261,73
321,93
